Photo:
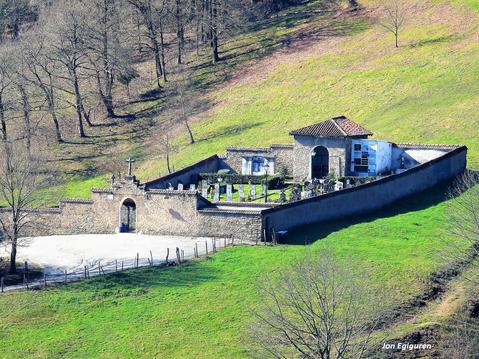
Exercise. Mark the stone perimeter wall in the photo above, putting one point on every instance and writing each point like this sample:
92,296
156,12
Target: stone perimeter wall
186,213
368,197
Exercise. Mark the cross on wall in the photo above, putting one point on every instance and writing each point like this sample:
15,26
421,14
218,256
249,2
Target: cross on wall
130,164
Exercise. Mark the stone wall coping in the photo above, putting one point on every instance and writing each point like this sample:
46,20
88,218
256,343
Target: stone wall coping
102,190
424,146
247,204
228,211
258,149
76,200
370,184
180,172
171,192
36,210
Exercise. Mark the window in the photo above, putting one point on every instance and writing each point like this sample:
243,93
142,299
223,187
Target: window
357,147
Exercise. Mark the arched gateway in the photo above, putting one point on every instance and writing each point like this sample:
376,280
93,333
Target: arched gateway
128,216
319,162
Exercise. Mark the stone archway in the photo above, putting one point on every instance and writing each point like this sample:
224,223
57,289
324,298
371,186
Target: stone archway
128,216
319,162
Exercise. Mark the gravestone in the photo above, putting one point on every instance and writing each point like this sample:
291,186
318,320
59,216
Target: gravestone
252,192
229,192
204,189
282,197
338,186
241,192
170,187
192,187
180,186
264,188
348,183
216,197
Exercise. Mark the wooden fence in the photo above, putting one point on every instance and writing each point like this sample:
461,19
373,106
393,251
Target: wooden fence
170,258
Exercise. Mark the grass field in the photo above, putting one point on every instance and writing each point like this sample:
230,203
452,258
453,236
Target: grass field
202,309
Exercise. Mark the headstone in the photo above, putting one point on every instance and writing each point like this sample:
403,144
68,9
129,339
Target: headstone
306,194
216,197
252,192
241,192
229,192
170,187
204,188
192,187
348,183
282,197
180,186
264,189
338,186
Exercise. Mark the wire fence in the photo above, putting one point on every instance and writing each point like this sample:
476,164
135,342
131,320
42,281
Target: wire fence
171,257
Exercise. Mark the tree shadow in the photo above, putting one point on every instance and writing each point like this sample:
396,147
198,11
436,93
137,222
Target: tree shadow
186,275
309,234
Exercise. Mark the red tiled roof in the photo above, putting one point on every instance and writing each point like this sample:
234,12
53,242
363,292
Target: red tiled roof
334,127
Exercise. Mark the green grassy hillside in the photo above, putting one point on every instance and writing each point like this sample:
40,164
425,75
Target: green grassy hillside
202,309
302,67
426,91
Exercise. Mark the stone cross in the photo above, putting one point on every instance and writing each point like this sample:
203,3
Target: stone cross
130,163
180,186
229,192
217,192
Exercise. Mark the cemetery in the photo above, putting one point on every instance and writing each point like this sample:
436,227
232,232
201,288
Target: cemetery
332,170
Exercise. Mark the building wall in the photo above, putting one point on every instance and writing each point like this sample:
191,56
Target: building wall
367,197
339,149
282,155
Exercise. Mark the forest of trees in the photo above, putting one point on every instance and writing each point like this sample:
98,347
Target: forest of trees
61,61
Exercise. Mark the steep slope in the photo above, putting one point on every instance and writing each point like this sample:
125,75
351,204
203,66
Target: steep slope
425,91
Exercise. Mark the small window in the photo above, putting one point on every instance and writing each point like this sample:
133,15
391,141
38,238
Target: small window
364,155
357,147
361,168
357,161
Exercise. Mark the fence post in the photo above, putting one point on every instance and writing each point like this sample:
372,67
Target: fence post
99,268
178,258
116,265
24,280
225,243
122,266
44,280
182,255
151,256
196,247
137,259
206,244
65,275
1,284
167,255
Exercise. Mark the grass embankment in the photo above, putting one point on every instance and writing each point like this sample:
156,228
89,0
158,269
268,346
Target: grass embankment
202,309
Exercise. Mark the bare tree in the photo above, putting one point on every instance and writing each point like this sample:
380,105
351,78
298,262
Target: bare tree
395,18
317,309
463,217
19,180
184,105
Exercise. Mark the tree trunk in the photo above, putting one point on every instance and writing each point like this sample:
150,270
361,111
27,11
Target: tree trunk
214,33
162,46
26,119
190,133
78,105
13,257
179,30
3,121
52,111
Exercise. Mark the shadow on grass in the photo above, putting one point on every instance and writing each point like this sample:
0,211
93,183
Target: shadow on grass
311,233
187,275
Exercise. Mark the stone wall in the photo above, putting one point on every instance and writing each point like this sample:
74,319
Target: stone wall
282,155
368,197
339,149
186,175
